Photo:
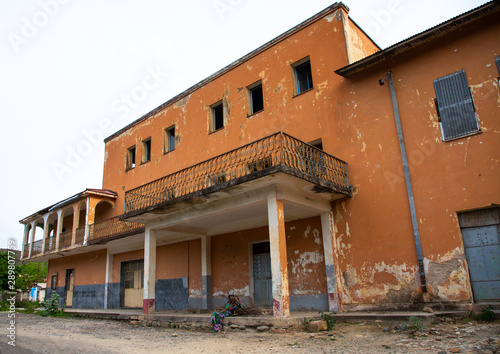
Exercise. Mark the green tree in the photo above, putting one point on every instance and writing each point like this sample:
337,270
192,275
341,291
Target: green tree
30,273
4,271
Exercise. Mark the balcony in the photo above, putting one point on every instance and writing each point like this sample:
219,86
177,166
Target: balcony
112,229
276,153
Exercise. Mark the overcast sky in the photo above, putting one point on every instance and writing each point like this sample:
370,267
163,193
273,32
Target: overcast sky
72,72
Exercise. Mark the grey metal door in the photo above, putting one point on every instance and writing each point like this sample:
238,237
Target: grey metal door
482,249
262,274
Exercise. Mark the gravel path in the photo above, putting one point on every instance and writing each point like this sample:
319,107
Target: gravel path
36,334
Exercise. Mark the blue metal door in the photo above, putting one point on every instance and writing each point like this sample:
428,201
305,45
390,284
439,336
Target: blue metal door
482,249
262,274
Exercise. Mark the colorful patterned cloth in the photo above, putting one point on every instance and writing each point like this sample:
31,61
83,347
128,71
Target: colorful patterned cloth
232,305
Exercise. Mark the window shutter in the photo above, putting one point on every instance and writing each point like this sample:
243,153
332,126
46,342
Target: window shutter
455,106
497,60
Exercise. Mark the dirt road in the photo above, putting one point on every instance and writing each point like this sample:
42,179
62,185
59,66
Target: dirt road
36,334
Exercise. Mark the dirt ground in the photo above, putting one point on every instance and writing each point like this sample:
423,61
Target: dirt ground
36,334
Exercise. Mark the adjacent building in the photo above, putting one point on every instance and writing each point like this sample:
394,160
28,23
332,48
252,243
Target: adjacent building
317,172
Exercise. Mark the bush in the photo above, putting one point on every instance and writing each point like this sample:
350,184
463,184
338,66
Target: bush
486,315
329,319
51,306
29,306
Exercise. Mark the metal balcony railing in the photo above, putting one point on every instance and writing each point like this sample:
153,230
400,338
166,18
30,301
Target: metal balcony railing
113,228
65,239
50,244
278,149
80,235
37,247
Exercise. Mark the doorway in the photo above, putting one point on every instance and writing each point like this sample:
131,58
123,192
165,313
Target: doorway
70,283
480,231
132,283
262,277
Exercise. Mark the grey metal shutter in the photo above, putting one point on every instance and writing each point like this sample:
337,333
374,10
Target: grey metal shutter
497,60
455,106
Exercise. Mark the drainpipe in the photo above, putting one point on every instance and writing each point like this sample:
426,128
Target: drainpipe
409,189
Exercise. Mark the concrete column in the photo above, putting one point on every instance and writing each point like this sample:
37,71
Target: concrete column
206,272
76,221
59,227
148,305
279,268
25,240
109,278
32,238
45,231
86,235
331,262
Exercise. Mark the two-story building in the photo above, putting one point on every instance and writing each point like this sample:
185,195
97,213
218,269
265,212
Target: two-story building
316,172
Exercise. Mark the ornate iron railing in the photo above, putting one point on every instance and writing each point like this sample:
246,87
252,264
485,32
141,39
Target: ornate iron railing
37,248
274,150
50,244
80,235
113,228
65,239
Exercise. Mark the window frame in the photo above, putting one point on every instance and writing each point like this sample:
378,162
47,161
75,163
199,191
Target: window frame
455,106
146,151
250,97
297,85
213,116
169,139
131,158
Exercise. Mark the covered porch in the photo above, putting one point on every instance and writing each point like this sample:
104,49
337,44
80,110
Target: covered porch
267,183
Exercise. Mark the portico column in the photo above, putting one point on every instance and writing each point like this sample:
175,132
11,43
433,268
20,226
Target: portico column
148,305
331,264
277,241
59,227
206,272
109,277
32,238
45,231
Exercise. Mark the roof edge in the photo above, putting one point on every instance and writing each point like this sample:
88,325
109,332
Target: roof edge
418,39
88,191
334,7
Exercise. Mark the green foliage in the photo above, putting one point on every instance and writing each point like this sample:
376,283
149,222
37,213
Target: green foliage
415,324
29,306
4,271
30,273
330,321
486,315
4,306
51,306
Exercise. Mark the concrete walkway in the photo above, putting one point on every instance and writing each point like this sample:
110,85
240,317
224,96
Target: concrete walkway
296,318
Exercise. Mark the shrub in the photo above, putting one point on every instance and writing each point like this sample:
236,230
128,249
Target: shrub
330,321
51,306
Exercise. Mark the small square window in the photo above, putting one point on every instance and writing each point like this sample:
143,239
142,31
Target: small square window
303,75
170,139
217,116
131,157
146,150
256,98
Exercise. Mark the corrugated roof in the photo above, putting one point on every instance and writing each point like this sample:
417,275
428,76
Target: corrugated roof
419,39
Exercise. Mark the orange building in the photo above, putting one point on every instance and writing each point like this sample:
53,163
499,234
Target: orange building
317,172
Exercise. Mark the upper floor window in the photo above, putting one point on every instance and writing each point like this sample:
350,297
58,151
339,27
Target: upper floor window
455,107
170,139
216,116
303,75
131,157
146,150
255,98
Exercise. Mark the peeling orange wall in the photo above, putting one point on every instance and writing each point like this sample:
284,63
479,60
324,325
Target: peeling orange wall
306,265
358,44
307,116
375,236
90,268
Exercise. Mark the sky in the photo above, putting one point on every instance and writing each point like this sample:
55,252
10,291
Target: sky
73,72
